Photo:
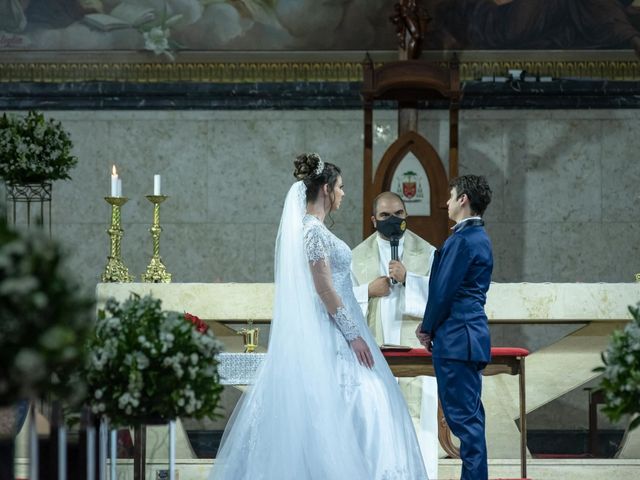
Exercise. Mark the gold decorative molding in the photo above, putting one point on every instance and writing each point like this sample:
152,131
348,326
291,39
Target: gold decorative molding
182,72
610,70
286,67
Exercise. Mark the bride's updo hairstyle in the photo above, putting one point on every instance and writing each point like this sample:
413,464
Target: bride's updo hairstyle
314,172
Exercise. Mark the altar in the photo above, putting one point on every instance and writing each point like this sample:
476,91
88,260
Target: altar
595,309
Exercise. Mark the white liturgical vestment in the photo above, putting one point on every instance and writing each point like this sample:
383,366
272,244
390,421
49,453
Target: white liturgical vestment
394,318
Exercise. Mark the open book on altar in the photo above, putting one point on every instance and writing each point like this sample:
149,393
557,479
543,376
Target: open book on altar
388,347
124,15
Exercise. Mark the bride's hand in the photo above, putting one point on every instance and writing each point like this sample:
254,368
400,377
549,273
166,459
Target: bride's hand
362,351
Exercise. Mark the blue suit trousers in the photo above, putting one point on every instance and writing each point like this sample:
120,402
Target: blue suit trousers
459,389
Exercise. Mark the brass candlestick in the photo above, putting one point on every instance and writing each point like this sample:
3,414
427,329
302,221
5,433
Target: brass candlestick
116,270
156,271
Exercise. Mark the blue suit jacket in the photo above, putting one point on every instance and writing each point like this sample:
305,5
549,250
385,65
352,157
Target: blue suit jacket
460,278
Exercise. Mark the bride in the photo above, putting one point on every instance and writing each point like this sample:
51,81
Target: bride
324,405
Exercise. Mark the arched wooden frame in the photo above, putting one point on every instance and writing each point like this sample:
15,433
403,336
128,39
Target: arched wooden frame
431,227
409,82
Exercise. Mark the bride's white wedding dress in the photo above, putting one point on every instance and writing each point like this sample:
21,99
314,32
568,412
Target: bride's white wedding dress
314,412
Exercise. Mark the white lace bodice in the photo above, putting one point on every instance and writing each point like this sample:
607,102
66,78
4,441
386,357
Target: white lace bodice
323,246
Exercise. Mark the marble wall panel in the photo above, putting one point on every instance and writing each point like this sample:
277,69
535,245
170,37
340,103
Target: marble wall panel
564,185
621,171
250,167
78,200
521,250
621,252
86,246
340,142
552,171
211,252
483,153
179,150
577,250
265,246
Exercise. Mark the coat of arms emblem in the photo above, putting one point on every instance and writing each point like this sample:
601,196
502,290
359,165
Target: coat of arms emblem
410,187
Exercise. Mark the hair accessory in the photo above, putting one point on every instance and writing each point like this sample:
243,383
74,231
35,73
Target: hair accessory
320,167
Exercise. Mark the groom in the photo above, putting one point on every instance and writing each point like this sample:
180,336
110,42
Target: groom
455,327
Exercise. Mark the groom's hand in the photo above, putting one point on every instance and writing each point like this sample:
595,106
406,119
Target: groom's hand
423,338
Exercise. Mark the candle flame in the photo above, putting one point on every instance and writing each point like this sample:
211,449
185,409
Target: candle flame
113,170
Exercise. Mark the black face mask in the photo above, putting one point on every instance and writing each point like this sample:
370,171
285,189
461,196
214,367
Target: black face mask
393,227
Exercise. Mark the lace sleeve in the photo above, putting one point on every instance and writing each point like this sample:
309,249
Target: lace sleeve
317,247
316,243
346,324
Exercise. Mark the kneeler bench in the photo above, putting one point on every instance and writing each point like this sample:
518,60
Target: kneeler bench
417,361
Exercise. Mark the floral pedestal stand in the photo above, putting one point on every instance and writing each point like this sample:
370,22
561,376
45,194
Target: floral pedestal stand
140,450
36,196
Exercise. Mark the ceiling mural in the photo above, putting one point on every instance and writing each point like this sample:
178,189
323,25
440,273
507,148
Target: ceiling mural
166,26
533,24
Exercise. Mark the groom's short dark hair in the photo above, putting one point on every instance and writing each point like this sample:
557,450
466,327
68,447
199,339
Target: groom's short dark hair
476,188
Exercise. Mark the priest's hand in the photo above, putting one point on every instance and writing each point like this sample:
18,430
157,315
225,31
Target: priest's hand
379,287
397,271
361,349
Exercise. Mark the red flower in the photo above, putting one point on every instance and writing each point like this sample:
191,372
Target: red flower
200,325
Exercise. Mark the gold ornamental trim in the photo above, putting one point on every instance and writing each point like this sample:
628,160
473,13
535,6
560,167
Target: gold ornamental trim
182,72
609,70
287,67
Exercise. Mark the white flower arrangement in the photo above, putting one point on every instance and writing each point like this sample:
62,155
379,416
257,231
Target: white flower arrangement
45,322
621,372
34,150
149,364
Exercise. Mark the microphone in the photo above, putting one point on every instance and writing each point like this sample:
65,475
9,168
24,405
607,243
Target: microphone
394,253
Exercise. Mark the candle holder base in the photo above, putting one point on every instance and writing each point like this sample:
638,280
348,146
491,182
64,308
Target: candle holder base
116,272
156,272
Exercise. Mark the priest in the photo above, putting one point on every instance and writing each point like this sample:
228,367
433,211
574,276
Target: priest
391,279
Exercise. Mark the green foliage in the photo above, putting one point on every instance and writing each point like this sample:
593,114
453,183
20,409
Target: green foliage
44,321
145,363
34,150
621,372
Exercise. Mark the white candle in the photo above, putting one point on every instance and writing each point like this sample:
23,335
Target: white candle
119,187
156,184
114,181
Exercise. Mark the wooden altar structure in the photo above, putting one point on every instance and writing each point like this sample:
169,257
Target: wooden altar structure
412,83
